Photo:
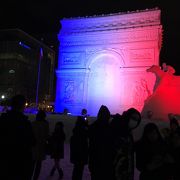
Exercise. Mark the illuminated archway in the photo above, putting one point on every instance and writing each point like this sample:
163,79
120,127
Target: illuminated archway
103,60
105,81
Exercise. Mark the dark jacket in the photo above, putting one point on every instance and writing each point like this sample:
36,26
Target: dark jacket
57,145
79,144
100,150
16,139
123,148
150,160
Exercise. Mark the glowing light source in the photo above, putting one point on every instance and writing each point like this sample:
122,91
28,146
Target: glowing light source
11,71
24,45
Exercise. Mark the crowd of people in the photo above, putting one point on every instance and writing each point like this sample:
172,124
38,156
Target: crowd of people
106,146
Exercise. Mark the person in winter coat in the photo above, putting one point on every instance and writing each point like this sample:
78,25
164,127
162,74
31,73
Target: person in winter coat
57,148
123,143
41,133
153,159
79,148
100,146
17,140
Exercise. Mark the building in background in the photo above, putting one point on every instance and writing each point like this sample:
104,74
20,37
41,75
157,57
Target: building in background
20,58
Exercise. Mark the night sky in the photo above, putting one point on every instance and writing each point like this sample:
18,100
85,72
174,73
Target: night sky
41,19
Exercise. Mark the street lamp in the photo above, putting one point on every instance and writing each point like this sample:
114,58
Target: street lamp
2,96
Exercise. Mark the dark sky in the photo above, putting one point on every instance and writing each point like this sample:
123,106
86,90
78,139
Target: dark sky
41,18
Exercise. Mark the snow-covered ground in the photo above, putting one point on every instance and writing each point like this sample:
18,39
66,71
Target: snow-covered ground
69,122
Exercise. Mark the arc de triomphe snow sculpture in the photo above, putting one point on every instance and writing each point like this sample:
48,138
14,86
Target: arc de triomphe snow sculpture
103,60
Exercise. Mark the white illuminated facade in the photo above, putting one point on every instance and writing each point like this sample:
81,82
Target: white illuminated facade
103,60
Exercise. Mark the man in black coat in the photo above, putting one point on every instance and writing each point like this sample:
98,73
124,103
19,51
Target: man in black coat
16,139
100,146
79,148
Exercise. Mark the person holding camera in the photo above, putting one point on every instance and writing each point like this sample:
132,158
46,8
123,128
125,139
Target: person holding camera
79,148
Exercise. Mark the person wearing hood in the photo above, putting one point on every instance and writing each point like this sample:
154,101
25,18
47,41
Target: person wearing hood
100,146
17,140
123,143
79,148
